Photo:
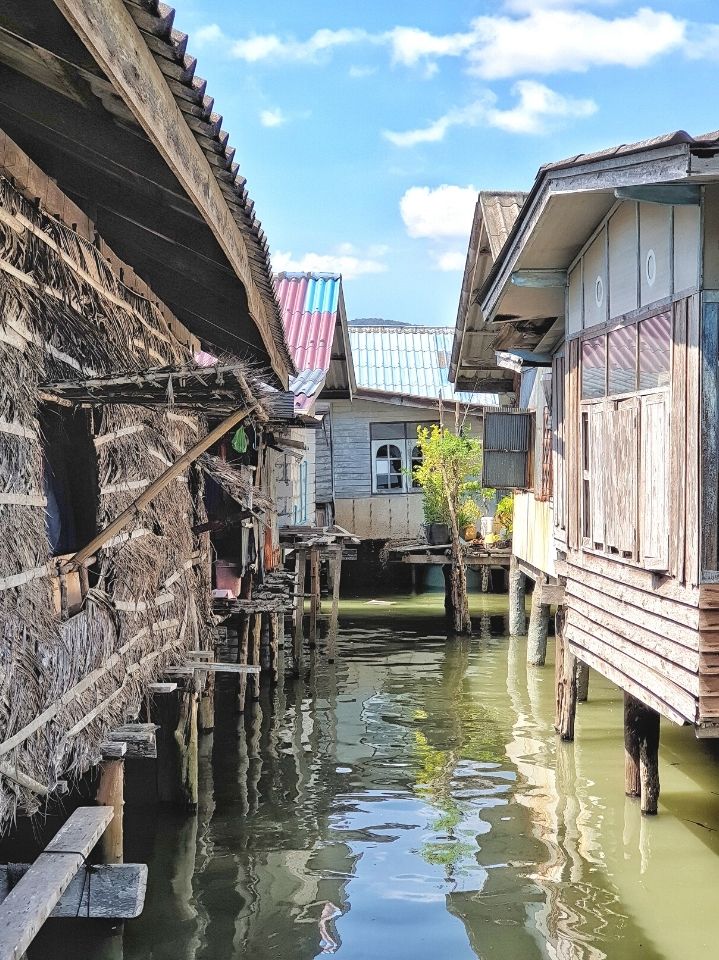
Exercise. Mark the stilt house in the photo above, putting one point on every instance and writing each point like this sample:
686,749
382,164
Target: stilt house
401,374
600,313
127,244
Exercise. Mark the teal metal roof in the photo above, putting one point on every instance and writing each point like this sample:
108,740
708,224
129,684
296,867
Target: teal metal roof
407,360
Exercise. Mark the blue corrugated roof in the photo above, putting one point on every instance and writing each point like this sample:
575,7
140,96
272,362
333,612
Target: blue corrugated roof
407,360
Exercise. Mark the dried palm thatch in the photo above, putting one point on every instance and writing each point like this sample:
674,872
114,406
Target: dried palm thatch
65,315
234,483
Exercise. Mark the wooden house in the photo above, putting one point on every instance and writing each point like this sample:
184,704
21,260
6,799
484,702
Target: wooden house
128,244
401,375
606,288
315,323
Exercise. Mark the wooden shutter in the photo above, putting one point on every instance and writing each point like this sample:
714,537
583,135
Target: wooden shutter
620,476
559,463
597,465
654,487
506,438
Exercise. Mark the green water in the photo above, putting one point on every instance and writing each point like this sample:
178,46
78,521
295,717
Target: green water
412,802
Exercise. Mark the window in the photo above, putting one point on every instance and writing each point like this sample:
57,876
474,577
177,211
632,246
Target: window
594,361
654,351
388,466
395,454
625,441
622,360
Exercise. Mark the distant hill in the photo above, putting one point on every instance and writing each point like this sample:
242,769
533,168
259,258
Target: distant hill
377,322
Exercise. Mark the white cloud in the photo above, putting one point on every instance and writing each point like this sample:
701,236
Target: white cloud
444,211
348,265
211,33
450,261
553,40
530,37
469,116
266,46
538,109
272,118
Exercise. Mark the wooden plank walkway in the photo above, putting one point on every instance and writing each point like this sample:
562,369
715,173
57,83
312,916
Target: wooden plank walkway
30,903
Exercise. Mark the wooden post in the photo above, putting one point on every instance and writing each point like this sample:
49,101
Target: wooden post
448,604
517,615
298,638
243,642
274,646
111,793
582,682
256,642
336,567
206,708
538,627
314,593
565,669
641,753
177,780
485,572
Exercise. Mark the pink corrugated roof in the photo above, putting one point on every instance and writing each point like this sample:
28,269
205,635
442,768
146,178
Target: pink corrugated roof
309,305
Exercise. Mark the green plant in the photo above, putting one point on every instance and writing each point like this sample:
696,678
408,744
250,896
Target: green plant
505,513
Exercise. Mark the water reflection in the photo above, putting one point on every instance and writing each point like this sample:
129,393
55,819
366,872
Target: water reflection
412,801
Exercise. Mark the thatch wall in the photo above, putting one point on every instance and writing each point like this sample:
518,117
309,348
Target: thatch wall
64,312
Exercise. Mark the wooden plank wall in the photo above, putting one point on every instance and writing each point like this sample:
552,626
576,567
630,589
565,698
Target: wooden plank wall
654,634
638,629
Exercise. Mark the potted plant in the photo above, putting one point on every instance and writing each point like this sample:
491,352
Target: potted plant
436,527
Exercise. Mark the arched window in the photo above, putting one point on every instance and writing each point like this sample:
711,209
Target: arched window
415,460
388,467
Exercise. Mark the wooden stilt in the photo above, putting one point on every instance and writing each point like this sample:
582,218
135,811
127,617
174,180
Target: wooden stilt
265,643
255,655
177,780
336,566
537,632
243,642
582,682
111,793
298,638
206,708
314,594
275,646
517,615
448,605
565,668
485,579
280,630
641,753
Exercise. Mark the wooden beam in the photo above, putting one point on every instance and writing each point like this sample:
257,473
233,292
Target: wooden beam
110,34
676,194
157,486
104,891
539,279
139,738
30,903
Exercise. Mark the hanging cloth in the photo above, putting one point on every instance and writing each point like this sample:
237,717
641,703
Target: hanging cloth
239,441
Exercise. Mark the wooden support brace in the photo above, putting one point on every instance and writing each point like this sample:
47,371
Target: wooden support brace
29,904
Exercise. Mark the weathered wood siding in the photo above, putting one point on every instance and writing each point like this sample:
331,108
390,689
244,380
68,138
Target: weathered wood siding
642,254
371,515
533,535
324,485
635,610
294,481
396,516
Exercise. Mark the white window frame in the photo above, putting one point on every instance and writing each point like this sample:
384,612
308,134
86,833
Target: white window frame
405,447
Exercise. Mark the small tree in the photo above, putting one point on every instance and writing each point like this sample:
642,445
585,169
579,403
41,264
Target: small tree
451,464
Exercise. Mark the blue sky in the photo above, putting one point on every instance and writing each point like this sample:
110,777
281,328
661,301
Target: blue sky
365,129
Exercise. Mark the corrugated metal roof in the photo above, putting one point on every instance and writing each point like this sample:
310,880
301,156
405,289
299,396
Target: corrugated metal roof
310,306
409,361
